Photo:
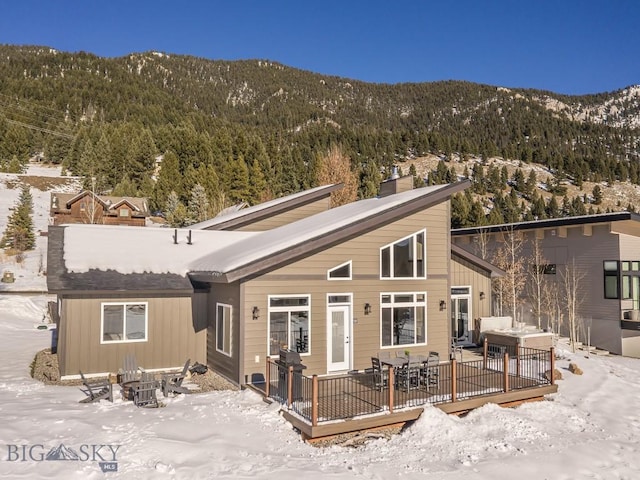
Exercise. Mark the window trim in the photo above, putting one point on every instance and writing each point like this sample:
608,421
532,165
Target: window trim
225,307
415,303
306,308
389,246
338,279
124,324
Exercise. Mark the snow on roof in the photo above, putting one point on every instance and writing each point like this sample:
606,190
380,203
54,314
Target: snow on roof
151,250
278,239
256,208
139,249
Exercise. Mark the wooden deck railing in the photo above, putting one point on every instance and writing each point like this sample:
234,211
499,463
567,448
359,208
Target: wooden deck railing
321,399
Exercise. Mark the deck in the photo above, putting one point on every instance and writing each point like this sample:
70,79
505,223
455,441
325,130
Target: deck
321,406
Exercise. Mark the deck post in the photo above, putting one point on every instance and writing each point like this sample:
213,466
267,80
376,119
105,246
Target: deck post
267,378
552,358
290,387
314,400
485,353
391,386
518,359
454,379
505,373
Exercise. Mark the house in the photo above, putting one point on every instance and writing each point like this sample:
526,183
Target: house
336,285
604,252
87,207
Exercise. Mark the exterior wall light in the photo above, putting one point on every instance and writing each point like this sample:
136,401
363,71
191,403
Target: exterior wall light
481,295
255,313
367,308
443,305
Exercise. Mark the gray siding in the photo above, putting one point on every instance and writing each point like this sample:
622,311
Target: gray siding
589,252
172,336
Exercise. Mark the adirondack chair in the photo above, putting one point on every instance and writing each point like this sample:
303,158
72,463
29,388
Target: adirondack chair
96,390
172,382
144,394
130,370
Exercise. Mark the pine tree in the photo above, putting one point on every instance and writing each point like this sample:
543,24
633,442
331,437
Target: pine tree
169,180
199,208
19,234
175,212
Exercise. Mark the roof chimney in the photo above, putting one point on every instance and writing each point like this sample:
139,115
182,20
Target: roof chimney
395,183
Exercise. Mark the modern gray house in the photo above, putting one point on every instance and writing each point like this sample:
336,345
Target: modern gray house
605,250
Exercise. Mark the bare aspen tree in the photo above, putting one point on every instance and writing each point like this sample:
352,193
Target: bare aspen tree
572,278
536,280
551,305
509,258
481,243
335,167
93,212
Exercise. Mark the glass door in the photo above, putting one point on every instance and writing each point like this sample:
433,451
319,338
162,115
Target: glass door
460,314
338,336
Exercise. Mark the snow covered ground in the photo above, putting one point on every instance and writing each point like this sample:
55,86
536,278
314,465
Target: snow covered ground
590,429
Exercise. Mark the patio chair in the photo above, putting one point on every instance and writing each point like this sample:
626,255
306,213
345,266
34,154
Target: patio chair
380,376
409,374
172,382
144,393
431,371
96,390
130,370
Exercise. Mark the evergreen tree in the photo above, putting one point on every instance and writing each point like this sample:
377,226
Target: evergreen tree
19,235
597,195
199,209
175,212
169,180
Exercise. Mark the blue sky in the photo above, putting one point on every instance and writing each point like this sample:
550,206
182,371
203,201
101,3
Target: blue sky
565,46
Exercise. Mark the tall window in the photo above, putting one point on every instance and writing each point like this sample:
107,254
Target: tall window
223,328
289,323
611,279
404,258
403,319
124,322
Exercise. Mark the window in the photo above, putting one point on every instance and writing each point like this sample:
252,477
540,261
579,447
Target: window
223,328
611,279
546,269
124,212
404,258
289,323
341,272
124,322
403,319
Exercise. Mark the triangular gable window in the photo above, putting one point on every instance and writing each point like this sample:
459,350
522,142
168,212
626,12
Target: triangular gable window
341,272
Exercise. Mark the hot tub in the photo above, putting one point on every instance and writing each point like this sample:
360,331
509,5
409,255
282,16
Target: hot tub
528,338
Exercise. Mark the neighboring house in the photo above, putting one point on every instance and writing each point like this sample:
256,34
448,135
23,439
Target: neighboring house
605,249
87,207
336,285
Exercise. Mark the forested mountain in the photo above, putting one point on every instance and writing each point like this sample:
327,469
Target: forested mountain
251,130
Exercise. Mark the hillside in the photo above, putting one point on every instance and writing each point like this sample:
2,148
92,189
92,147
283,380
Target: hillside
255,129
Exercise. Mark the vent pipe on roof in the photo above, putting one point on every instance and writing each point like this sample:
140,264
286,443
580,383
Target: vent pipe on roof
175,236
189,238
394,172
